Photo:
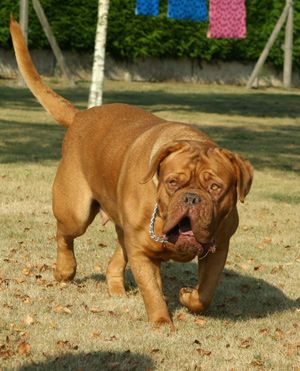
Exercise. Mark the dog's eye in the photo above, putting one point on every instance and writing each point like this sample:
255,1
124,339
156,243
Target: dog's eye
214,187
173,183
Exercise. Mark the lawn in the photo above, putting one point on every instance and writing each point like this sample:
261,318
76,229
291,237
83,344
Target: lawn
254,320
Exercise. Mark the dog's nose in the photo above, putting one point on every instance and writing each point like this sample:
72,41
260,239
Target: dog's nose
191,199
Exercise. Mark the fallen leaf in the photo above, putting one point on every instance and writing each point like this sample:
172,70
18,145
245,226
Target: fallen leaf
233,299
97,268
67,310
52,324
17,329
112,338
246,343
96,335
267,240
96,310
58,308
236,312
25,336
26,299
259,267
203,352
276,269
24,349
29,320
261,246
280,333
64,343
41,282
200,321
292,331
181,316
245,288
264,331
5,353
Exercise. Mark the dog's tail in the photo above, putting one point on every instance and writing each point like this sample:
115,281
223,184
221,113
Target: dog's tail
62,110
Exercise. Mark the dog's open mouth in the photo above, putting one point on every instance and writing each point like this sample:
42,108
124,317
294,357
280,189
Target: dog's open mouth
182,236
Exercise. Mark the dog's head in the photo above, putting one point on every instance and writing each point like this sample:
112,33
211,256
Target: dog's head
197,189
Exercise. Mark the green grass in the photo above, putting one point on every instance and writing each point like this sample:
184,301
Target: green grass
254,320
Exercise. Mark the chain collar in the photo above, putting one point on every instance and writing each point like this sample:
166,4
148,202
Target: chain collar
151,230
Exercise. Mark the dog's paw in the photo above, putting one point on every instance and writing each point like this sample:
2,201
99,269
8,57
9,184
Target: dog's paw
65,274
116,290
189,297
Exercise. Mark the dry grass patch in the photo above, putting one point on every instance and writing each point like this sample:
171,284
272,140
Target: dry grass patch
254,320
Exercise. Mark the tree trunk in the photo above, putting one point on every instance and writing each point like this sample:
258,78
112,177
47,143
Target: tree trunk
95,97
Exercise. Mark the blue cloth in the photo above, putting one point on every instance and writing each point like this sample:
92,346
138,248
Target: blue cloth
147,7
193,10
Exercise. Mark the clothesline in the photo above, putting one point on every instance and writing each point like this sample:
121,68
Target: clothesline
227,18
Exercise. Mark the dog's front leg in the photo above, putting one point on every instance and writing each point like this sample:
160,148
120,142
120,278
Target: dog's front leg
209,271
147,274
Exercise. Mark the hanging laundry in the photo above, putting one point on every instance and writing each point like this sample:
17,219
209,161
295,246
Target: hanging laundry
227,19
194,10
147,7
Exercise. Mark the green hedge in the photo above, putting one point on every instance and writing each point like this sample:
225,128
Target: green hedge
129,37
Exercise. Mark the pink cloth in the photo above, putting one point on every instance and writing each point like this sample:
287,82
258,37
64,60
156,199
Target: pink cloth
227,19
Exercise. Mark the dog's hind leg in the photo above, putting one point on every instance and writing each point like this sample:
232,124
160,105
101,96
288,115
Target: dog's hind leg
74,210
116,267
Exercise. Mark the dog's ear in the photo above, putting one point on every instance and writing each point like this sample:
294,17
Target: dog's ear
161,154
244,173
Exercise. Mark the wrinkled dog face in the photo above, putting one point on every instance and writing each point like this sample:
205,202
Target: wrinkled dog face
197,189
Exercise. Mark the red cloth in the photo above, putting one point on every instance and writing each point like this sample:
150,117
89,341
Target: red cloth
227,19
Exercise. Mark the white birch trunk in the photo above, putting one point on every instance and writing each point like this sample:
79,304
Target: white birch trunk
95,97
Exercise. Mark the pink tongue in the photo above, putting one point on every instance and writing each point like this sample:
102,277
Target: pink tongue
186,233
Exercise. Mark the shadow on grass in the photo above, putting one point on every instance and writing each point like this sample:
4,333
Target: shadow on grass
266,146
248,105
94,361
237,297
30,142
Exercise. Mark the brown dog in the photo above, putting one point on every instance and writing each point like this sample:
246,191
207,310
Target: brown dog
123,161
